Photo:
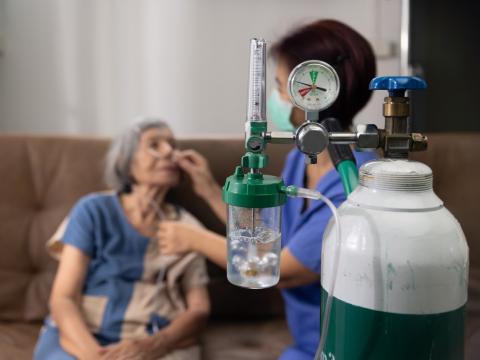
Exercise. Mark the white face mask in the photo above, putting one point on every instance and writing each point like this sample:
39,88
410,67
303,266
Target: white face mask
280,111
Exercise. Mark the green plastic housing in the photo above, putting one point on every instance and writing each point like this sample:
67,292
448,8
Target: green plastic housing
254,190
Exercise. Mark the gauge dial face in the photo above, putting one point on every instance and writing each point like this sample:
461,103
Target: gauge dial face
313,85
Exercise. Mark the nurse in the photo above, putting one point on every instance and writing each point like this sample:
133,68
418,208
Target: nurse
304,220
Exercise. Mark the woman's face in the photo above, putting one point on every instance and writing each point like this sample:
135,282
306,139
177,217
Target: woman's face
281,78
153,162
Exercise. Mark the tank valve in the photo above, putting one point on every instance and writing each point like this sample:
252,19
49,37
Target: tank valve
398,140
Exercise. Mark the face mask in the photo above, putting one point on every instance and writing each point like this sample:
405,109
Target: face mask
280,111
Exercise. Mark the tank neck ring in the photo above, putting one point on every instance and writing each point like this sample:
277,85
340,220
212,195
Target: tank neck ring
396,175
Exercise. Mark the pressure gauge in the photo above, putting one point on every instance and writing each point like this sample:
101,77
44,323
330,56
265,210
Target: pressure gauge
313,85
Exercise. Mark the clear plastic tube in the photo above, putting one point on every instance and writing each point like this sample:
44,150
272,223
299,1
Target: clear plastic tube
316,195
161,216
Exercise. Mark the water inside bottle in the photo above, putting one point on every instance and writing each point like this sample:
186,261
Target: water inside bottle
254,257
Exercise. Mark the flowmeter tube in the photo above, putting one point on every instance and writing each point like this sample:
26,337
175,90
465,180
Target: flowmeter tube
256,110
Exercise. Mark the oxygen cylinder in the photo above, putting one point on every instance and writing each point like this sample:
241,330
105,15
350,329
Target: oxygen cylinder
401,283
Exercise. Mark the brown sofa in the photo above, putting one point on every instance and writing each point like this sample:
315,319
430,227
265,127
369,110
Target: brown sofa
42,177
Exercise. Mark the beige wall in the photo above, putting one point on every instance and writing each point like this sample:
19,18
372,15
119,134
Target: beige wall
89,66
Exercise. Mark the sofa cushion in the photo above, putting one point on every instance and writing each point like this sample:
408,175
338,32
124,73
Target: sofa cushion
41,179
245,340
18,339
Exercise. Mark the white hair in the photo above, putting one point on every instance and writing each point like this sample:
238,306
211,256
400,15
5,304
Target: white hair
120,154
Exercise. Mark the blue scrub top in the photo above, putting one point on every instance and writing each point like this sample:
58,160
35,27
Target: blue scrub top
302,234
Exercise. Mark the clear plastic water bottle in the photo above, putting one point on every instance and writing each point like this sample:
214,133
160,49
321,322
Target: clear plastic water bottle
254,242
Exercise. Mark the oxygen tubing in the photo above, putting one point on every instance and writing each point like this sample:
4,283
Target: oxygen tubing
316,195
347,169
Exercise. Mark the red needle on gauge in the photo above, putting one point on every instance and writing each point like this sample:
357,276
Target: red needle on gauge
304,91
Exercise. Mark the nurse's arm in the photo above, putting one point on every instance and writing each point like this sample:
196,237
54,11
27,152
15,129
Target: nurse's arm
177,238
65,299
293,273
214,247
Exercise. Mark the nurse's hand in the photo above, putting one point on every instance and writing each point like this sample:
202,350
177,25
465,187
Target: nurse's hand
178,238
204,184
196,166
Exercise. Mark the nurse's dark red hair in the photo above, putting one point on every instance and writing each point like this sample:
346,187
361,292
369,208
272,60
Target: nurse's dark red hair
342,47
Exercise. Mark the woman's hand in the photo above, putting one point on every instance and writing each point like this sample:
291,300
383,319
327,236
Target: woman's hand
128,349
176,238
196,166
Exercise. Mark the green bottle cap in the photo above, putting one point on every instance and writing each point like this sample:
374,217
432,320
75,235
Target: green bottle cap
254,190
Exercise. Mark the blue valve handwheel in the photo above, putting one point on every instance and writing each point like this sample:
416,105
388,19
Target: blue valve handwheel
397,85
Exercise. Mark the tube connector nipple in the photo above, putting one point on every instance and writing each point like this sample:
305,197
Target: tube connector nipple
290,190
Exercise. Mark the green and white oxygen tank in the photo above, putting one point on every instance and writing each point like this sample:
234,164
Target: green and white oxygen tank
401,283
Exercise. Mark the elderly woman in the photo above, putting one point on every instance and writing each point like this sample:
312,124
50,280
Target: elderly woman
115,296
